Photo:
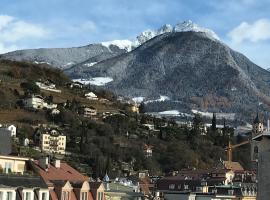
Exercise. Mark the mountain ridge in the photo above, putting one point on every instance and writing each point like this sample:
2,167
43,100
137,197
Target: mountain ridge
187,67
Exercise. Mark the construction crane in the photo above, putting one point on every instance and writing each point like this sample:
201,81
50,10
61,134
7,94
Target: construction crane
230,148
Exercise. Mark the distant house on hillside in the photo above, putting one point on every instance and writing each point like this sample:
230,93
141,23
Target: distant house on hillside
91,96
47,85
148,150
37,102
88,112
75,84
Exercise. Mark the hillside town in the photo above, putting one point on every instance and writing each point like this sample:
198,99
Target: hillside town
134,100
47,173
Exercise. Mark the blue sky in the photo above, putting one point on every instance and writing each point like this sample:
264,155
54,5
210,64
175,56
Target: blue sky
242,24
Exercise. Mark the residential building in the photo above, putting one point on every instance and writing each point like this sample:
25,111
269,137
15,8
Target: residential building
48,85
148,150
5,142
13,164
52,141
11,128
88,112
66,183
75,84
14,187
205,184
37,102
262,150
91,96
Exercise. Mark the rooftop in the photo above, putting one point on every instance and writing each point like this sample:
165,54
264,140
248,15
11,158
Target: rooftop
64,173
21,181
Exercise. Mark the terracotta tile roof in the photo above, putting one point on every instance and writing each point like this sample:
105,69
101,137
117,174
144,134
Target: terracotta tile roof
90,196
53,195
65,173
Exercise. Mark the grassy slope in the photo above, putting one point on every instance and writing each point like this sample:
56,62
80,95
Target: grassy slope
14,73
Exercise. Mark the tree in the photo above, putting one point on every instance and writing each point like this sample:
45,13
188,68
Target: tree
214,122
142,108
30,87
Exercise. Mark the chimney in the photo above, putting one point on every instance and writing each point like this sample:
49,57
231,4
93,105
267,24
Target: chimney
57,163
44,163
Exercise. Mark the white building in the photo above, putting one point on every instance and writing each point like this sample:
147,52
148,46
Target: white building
11,128
53,141
88,111
26,142
37,102
91,96
48,85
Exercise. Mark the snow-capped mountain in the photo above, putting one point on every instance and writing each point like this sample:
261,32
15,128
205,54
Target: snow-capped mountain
92,54
167,28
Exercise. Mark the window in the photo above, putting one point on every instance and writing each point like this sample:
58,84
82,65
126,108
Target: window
65,195
256,150
83,196
27,196
171,186
1,195
186,187
230,192
43,196
9,196
100,195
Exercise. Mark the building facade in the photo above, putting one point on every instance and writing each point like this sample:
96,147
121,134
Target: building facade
52,141
13,164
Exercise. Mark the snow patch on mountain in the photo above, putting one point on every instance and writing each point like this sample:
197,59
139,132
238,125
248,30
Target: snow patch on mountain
121,44
90,64
98,81
41,62
160,99
190,26
228,116
138,99
68,64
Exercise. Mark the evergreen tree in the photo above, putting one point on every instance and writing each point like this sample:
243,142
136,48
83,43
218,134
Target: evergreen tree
214,122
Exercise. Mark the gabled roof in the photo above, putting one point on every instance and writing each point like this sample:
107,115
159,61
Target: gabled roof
64,173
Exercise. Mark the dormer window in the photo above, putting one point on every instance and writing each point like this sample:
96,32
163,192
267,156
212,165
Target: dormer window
83,196
43,196
65,195
9,196
230,192
27,196
171,186
100,195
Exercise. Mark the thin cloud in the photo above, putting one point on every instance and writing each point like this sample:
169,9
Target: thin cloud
254,32
13,31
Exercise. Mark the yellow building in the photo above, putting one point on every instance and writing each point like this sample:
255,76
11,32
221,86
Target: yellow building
52,141
135,108
13,164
